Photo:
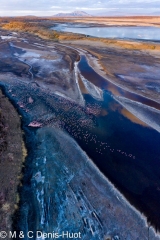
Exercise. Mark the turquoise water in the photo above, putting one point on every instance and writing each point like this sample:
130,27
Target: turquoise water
141,33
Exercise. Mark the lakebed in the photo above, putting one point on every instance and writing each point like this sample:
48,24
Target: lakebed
66,110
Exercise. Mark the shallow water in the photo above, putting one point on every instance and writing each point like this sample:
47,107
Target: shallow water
126,152
141,33
137,176
102,83
130,159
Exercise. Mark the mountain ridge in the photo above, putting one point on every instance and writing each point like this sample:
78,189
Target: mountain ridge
73,14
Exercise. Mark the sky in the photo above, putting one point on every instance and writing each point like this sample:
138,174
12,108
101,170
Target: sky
93,7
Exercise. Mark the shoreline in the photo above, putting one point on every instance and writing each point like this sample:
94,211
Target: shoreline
116,193
111,20
92,162
96,66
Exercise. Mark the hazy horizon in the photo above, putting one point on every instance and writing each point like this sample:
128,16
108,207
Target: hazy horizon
94,7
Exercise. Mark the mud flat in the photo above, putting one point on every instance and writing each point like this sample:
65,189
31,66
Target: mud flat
12,154
62,189
134,69
115,21
148,115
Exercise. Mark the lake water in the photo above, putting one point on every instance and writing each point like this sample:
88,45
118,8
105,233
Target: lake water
132,176
125,152
101,82
141,33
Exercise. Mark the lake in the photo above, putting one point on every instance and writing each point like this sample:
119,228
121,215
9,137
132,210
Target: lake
141,33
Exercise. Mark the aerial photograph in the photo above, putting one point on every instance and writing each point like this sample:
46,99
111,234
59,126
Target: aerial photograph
80,119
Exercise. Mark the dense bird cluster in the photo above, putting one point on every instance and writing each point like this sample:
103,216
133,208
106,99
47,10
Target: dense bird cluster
44,108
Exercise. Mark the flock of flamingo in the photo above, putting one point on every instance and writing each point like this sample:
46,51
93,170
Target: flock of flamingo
47,109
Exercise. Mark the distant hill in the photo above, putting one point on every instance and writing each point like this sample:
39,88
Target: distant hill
73,14
28,16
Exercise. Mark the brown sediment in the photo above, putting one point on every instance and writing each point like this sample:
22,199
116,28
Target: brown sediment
82,86
122,44
133,118
42,29
81,39
119,21
103,112
127,114
130,69
12,153
33,28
